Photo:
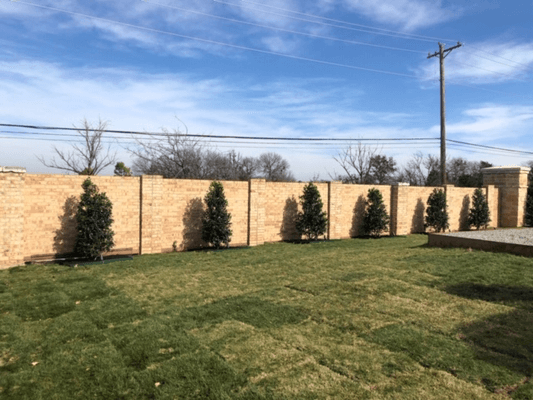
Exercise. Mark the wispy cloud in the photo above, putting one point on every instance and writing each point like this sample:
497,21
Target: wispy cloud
406,14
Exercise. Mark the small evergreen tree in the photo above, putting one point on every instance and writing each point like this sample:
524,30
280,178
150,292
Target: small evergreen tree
94,220
216,222
122,170
479,213
436,213
312,221
375,218
529,204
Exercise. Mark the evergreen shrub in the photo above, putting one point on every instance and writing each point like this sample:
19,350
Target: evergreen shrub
375,218
436,213
94,219
216,222
311,221
529,205
479,213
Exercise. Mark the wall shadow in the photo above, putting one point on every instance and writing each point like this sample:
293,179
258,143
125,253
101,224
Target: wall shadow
357,218
511,295
463,216
503,339
65,236
417,222
192,225
288,224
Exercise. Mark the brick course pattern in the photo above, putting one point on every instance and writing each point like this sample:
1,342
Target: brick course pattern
37,212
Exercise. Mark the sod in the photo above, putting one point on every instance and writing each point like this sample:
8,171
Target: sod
348,319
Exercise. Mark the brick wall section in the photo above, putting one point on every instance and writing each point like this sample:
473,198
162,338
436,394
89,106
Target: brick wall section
50,205
459,201
183,206
11,219
335,205
150,213
281,206
351,213
492,195
256,212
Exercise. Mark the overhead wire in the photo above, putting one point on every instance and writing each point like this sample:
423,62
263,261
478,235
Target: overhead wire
284,30
324,62
374,31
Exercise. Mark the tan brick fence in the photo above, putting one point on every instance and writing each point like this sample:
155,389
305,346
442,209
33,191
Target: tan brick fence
151,213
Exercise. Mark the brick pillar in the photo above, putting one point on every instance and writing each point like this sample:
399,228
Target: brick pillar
151,220
12,181
256,212
512,185
399,217
492,195
334,209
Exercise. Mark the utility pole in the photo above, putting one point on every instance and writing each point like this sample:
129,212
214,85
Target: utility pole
442,53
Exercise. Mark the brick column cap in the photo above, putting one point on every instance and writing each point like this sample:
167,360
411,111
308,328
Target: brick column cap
505,169
17,170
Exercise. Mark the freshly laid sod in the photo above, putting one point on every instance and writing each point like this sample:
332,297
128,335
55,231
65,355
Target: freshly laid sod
352,319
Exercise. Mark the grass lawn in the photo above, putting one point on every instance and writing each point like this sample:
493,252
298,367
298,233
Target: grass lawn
351,319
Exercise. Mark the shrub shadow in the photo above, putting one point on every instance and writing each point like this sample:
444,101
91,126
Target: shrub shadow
65,236
288,225
357,218
192,225
417,222
463,216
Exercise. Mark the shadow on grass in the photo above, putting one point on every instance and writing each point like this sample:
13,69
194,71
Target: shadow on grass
511,295
250,310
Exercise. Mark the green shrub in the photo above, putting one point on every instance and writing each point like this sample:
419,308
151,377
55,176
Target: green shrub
122,170
216,222
94,218
436,213
375,218
479,213
311,221
529,205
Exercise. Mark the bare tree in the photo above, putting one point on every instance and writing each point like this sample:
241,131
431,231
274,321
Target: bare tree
421,170
174,155
88,158
356,162
273,167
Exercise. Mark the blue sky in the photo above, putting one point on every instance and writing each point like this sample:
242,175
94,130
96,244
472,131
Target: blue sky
288,69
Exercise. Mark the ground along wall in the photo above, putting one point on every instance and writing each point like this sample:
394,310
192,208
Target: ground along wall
151,213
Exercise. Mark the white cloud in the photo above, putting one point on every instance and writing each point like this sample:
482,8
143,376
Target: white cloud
480,63
407,14
491,123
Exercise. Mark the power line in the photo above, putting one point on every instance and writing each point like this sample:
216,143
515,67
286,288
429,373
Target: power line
385,32
285,30
329,63
495,55
489,147
211,136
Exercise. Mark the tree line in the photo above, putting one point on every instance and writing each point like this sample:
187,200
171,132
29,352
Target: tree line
178,155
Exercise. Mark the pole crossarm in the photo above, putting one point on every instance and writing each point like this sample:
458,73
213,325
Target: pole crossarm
445,51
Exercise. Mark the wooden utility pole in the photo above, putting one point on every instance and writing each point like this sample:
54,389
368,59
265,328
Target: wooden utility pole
442,53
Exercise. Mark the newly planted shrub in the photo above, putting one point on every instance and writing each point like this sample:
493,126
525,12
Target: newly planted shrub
529,205
375,218
311,221
436,213
94,220
479,213
216,223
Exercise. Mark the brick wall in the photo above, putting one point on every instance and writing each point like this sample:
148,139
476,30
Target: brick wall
151,213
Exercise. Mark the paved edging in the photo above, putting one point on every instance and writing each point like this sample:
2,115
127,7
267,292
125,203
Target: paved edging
444,240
